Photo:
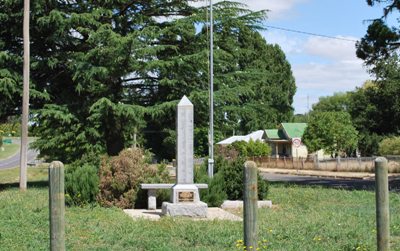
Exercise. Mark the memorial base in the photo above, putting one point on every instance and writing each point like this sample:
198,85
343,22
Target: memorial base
185,202
194,209
185,193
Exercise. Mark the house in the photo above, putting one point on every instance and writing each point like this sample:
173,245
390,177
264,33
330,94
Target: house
284,141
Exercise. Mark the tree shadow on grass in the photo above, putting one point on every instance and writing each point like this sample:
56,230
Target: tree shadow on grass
346,184
31,184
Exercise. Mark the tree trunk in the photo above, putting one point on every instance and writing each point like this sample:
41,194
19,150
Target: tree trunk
25,100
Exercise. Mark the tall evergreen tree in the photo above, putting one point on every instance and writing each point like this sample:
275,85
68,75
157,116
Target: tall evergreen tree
375,107
103,70
381,41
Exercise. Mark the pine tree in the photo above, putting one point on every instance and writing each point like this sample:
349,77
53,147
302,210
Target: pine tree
103,70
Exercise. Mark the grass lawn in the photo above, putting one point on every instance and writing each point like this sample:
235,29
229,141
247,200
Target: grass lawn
10,177
9,150
304,218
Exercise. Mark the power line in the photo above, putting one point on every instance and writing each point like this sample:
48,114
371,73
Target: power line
310,33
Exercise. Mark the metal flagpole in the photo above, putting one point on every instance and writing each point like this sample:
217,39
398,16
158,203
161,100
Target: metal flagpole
211,132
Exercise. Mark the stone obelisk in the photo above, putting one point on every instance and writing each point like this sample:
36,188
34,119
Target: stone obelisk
184,142
185,199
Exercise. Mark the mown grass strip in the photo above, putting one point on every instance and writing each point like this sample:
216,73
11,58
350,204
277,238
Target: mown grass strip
35,175
9,150
303,218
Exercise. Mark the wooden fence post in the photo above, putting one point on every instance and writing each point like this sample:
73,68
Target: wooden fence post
338,164
316,160
56,206
250,202
382,204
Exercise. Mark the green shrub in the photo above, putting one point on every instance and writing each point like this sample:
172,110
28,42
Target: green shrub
368,143
90,158
258,148
251,149
215,194
240,147
11,129
233,175
390,146
227,182
228,152
263,187
81,184
121,176
160,176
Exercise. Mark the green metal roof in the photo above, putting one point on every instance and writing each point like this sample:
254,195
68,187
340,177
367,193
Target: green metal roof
275,134
294,130
272,133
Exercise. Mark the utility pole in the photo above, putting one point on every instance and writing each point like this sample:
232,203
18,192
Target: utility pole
211,132
25,100
308,107
134,137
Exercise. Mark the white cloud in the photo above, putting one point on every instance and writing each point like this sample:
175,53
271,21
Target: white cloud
288,45
343,72
338,76
317,80
278,8
321,66
332,48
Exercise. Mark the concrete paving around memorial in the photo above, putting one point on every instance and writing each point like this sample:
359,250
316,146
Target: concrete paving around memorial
214,213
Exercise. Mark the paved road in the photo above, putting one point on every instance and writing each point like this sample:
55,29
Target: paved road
358,184
13,161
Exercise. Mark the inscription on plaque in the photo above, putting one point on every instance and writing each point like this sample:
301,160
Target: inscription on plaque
185,196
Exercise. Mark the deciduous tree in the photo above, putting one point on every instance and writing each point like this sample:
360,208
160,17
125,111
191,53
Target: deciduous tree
331,131
390,146
338,102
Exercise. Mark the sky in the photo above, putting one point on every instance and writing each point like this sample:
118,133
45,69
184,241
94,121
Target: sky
321,66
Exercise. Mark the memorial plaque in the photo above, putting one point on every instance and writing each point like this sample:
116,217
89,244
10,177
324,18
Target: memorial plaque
185,196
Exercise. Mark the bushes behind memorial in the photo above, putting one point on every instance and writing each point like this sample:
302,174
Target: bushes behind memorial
112,181
252,148
11,129
390,146
215,194
81,184
121,176
227,182
244,149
